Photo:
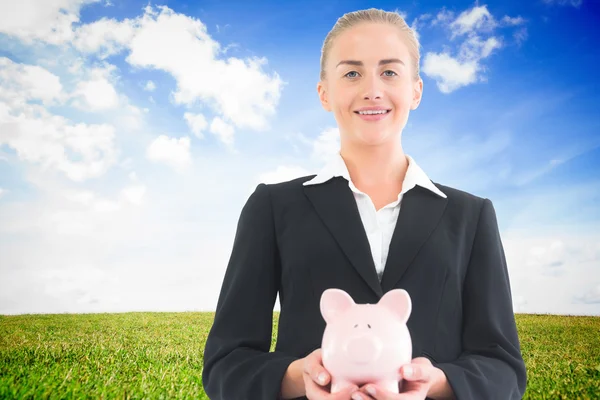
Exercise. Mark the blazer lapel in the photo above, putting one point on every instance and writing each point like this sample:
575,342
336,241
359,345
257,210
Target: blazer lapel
420,212
336,206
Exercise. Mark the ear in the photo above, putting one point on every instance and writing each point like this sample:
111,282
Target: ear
323,95
417,94
398,302
334,302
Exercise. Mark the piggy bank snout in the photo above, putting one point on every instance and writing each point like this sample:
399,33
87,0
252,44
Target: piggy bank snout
363,349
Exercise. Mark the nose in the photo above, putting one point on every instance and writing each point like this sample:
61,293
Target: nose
363,349
372,87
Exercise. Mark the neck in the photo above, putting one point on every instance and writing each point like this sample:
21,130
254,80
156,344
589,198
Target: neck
375,166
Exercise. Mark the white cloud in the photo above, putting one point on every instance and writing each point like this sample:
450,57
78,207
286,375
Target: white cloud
282,173
418,22
592,296
450,73
82,246
76,67
548,270
403,14
134,194
91,201
87,282
128,116
49,21
573,3
520,36
98,92
519,303
506,20
223,131
477,19
20,83
322,149
105,36
80,151
150,86
550,258
237,90
443,17
476,49
130,195
2,192
167,254
196,122
453,72
171,151
326,145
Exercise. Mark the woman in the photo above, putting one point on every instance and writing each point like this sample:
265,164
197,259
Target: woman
369,222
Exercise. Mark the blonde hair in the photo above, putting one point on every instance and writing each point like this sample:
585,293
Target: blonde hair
372,15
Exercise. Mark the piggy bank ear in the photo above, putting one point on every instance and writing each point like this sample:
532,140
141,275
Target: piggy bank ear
397,301
334,302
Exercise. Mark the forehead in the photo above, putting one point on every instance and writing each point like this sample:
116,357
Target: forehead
369,41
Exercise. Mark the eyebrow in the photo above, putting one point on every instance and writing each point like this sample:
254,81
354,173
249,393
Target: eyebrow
381,62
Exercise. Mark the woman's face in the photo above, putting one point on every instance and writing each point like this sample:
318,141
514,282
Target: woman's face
369,67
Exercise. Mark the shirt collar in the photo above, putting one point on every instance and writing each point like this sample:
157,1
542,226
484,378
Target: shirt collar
337,167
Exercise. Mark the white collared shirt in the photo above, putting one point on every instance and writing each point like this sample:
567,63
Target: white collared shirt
379,225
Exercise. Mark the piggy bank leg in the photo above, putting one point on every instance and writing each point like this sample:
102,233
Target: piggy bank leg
389,385
337,385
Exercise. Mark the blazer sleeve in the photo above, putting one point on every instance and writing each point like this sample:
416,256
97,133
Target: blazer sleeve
491,365
237,361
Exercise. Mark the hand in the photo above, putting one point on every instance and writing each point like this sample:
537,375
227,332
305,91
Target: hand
419,376
317,380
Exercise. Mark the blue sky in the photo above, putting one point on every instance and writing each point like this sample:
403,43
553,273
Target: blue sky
131,134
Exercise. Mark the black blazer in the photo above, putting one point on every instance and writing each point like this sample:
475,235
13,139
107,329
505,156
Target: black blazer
299,240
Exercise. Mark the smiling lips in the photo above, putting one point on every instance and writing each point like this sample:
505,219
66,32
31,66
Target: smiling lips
372,113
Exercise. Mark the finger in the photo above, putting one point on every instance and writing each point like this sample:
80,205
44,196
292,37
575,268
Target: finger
412,395
361,395
313,366
346,393
378,393
416,372
313,391
421,361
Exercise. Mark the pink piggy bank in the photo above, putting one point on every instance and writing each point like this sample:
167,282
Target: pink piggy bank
365,343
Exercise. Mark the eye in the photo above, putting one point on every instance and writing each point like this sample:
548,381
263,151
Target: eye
369,326
385,72
351,72
355,325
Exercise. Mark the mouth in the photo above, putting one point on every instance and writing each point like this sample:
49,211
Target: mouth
373,112
373,115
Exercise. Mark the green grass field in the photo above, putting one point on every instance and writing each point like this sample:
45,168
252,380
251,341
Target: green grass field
159,355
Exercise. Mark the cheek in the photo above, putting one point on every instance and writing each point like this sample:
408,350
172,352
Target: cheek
341,99
404,100
342,106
